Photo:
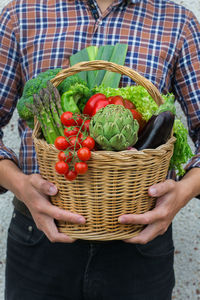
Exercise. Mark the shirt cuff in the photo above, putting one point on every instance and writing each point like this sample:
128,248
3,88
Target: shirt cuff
7,153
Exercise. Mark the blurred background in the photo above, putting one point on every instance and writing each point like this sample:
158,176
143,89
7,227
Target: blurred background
186,226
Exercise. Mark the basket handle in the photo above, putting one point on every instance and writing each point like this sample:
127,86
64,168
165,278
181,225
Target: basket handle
113,67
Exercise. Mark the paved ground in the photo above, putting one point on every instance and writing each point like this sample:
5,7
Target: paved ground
186,224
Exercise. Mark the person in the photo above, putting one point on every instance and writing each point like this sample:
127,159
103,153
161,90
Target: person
164,46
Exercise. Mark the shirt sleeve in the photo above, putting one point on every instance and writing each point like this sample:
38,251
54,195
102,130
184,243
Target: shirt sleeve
10,79
187,83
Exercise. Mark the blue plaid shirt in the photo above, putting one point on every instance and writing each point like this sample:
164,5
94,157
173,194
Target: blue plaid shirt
163,45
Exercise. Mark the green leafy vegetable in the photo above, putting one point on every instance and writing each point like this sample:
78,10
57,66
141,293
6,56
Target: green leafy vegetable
182,151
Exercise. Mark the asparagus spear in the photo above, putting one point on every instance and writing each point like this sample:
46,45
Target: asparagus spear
45,100
45,121
55,97
53,111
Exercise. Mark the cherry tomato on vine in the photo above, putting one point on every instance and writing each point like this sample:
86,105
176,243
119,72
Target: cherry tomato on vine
81,167
61,167
74,142
88,142
67,119
71,175
62,156
78,120
84,153
61,143
71,131
81,136
86,125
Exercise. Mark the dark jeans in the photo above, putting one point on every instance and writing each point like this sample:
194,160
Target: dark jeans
40,270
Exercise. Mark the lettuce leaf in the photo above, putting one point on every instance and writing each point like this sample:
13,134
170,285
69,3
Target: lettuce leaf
182,151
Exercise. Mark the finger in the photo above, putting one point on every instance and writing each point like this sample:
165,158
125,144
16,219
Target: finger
161,188
146,235
145,219
57,213
42,185
51,231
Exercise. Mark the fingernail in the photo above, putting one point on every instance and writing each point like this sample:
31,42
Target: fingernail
52,190
81,220
152,191
121,219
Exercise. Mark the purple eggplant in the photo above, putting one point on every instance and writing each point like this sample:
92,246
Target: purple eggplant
156,131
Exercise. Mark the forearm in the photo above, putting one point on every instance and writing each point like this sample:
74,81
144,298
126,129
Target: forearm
11,177
190,184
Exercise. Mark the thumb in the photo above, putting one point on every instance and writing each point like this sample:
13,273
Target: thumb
52,189
43,186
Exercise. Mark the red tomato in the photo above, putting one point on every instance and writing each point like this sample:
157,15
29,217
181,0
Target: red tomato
128,104
84,153
62,156
81,136
61,167
71,175
117,100
81,167
88,109
61,143
89,143
71,131
137,116
100,104
78,120
67,119
74,142
86,125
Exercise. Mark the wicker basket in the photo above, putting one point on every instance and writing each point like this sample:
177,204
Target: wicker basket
116,182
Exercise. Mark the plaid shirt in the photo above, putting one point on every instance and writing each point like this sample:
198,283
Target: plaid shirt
163,45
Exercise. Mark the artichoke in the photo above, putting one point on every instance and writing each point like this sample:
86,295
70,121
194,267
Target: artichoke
113,128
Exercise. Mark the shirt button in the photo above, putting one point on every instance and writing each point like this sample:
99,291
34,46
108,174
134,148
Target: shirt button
30,228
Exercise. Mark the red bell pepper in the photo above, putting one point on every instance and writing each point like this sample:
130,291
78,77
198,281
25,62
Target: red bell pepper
100,104
117,100
89,107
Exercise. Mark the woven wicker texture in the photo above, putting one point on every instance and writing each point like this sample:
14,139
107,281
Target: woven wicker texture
116,182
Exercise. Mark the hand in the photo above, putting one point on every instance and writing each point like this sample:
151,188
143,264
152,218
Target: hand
35,195
170,199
